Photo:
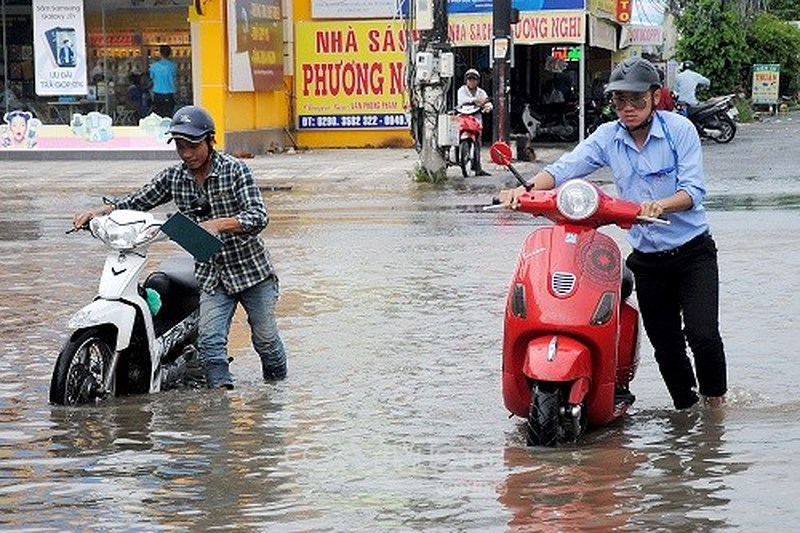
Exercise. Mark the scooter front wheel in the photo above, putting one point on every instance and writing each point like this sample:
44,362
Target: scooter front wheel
81,369
544,418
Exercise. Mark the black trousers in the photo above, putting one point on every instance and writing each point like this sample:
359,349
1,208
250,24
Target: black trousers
678,295
163,104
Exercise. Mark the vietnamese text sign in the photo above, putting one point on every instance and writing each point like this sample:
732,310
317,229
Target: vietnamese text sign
641,35
486,6
59,44
766,78
255,45
534,27
350,75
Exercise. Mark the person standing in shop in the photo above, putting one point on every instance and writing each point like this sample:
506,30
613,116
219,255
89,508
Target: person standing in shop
163,73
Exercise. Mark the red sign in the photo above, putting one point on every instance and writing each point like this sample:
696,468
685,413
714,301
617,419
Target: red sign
624,11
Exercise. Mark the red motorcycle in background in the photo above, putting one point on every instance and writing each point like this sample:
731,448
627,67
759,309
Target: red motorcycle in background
469,135
571,342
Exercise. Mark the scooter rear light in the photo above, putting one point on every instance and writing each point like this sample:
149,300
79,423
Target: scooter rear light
604,310
577,199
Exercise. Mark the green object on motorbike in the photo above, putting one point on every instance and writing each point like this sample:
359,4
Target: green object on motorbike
153,301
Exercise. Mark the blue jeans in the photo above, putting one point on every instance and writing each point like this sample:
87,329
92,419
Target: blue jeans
216,314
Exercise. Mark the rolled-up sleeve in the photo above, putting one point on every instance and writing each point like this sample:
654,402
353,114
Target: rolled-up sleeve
690,166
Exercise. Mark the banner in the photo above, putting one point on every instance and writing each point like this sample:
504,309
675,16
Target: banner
350,75
358,9
642,35
486,6
59,47
534,27
766,78
255,45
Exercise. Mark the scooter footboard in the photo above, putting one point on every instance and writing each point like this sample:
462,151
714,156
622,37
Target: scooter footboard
563,359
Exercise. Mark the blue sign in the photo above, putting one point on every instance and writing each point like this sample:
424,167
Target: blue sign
485,6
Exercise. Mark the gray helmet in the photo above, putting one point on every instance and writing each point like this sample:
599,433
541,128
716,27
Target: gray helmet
635,75
191,123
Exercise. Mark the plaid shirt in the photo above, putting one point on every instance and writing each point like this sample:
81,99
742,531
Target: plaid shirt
229,191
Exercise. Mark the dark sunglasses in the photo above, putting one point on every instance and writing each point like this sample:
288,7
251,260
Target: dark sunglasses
638,101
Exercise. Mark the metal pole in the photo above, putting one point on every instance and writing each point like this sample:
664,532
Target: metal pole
582,94
501,52
5,58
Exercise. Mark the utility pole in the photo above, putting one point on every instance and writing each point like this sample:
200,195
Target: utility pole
501,71
430,74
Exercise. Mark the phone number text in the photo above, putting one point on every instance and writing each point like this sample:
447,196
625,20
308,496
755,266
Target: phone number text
322,122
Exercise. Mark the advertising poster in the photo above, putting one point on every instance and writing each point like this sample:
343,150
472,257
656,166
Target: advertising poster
255,42
59,47
350,75
766,78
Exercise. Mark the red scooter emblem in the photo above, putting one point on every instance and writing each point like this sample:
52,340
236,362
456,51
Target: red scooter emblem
570,345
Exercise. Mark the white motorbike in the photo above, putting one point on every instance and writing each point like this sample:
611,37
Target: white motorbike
133,338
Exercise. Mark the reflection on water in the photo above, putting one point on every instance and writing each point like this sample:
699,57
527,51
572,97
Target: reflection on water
392,417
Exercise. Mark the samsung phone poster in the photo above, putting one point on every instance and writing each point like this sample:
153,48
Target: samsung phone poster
59,44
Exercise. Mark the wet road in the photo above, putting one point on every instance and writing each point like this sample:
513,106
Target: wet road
392,419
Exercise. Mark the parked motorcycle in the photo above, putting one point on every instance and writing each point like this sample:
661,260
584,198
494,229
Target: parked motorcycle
570,345
132,338
557,122
714,119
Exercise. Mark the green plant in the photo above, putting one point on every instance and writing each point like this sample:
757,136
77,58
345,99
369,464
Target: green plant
772,40
712,35
423,175
745,109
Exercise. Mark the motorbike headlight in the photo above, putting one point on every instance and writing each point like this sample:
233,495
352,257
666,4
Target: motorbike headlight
120,234
577,199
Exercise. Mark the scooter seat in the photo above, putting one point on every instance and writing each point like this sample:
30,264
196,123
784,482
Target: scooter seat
179,291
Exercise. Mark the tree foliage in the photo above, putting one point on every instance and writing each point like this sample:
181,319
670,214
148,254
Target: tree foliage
712,35
773,40
784,9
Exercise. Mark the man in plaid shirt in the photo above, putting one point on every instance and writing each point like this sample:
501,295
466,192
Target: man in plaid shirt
219,192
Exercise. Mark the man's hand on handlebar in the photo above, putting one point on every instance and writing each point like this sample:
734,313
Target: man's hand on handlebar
510,197
651,209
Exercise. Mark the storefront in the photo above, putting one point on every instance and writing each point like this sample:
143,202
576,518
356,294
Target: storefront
74,72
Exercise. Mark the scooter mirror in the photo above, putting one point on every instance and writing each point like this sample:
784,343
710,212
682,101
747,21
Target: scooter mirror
500,153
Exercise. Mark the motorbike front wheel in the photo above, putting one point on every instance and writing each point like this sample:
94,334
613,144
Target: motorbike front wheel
727,128
544,416
466,155
82,368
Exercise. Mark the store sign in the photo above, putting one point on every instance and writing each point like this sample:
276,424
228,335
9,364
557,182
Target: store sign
624,10
602,34
641,35
487,6
350,75
255,45
59,47
766,80
358,9
534,27
566,54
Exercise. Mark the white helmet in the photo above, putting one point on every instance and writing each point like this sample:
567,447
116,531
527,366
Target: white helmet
472,73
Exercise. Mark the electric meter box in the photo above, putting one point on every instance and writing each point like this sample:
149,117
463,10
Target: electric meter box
447,65
447,130
424,66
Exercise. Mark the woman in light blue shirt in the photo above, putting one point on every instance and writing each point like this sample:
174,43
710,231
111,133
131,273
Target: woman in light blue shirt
657,161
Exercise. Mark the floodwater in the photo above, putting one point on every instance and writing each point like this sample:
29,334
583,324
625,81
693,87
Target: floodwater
392,417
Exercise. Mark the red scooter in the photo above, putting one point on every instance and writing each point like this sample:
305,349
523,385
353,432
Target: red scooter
469,132
570,344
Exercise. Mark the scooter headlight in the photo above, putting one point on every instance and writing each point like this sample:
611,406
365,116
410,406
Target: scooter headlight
122,232
577,199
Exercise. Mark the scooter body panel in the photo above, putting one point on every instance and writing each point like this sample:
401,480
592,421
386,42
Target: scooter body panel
566,285
101,312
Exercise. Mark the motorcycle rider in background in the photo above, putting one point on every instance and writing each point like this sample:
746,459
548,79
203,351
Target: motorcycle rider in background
470,93
686,84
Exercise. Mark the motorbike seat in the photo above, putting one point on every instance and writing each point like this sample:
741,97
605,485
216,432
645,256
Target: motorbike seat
175,282
627,282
